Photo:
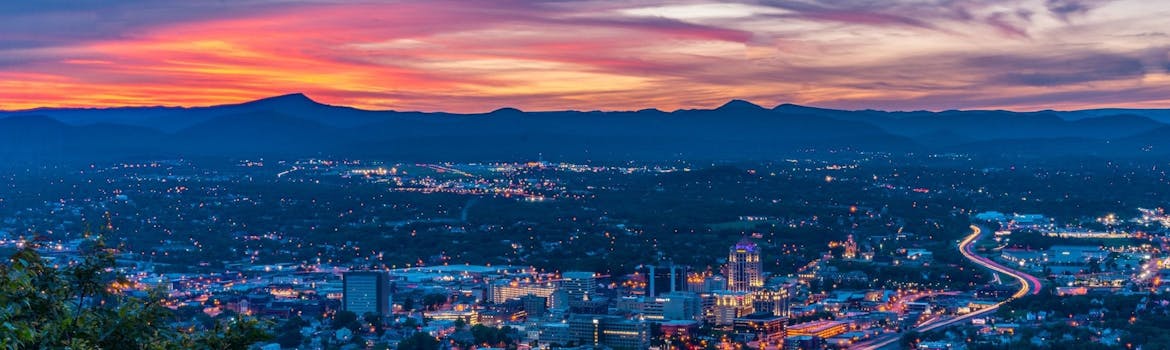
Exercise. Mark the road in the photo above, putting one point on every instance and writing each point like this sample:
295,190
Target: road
900,305
1028,285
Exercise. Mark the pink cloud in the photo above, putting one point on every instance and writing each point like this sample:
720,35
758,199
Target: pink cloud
469,56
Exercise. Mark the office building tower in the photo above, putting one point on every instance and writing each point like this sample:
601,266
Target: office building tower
666,278
771,301
744,270
366,292
681,306
500,292
577,284
534,306
611,331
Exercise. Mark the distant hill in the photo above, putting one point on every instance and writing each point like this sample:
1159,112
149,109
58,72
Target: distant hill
295,125
1160,115
176,118
257,132
35,137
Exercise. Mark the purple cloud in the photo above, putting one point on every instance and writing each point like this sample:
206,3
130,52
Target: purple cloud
1064,8
1075,68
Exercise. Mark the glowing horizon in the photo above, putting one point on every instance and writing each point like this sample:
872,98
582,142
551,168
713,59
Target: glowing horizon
463,56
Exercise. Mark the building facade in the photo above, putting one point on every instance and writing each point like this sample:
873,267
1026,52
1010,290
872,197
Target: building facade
502,291
577,284
744,270
611,331
366,292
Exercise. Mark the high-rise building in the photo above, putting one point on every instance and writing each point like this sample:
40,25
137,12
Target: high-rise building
771,301
612,331
744,270
761,326
727,306
366,292
534,306
669,306
577,284
682,306
820,329
559,300
665,278
553,333
590,305
502,291
705,282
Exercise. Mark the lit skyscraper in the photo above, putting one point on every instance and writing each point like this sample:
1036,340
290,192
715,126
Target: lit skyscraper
743,267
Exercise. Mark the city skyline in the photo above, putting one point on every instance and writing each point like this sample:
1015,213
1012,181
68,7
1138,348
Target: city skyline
585,174
475,57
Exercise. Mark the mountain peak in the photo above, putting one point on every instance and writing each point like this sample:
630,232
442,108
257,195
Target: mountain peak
507,111
739,105
796,107
293,98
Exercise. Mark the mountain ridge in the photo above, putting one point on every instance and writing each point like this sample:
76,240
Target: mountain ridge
296,125
734,103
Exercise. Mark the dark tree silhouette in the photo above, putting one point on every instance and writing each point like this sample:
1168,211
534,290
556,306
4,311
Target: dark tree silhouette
81,306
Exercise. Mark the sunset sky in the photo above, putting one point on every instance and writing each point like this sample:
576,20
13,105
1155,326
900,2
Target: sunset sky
474,56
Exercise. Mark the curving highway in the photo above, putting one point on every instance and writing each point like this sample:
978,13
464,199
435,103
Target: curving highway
1028,285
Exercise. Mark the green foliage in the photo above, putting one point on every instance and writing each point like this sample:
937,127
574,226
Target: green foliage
935,275
79,307
288,334
410,323
1138,319
434,300
346,319
419,341
908,339
377,321
1037,240
237,333
493,336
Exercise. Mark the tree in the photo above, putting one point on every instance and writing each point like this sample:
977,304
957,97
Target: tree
909,339
1094,265
484,334
346,319
419,341
408,304
82,306
375,319
434,300
288,334
410,323
238,333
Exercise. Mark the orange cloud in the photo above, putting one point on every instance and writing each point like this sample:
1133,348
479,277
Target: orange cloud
473,56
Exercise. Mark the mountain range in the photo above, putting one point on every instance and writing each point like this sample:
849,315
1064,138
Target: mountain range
296,126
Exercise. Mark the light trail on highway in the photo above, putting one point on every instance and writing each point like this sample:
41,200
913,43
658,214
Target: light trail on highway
1028,285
